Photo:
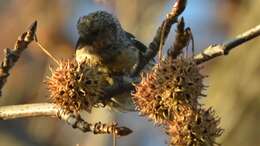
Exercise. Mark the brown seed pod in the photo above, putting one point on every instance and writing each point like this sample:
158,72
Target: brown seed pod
167,84
76,86
195,127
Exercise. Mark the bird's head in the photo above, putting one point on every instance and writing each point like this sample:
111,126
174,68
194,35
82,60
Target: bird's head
98,26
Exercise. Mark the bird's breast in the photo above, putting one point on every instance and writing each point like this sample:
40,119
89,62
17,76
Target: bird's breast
118,61
84,54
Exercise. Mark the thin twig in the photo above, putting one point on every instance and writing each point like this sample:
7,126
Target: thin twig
47,53
11,56
223,49
160,36
52,110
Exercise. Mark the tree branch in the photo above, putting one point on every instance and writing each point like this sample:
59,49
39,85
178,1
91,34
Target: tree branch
160,36
28,110
11,56
52,110
223,49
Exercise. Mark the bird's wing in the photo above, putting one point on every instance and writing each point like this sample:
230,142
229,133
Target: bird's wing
139,45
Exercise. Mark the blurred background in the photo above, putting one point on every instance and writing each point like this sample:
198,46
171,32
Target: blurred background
234,80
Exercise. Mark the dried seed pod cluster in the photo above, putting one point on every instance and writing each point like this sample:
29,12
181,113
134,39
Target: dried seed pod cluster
169,95
168,83
195,127
76,86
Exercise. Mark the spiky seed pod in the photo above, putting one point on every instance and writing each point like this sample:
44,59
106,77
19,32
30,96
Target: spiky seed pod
76,86
167,84
194,127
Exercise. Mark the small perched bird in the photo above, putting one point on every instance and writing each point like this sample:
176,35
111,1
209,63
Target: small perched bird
105,45
103,42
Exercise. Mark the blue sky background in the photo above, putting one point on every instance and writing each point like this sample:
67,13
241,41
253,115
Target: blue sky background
199,16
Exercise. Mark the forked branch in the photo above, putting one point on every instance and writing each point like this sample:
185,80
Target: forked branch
160,36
